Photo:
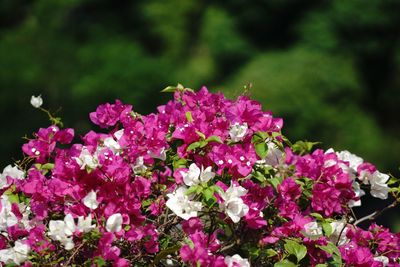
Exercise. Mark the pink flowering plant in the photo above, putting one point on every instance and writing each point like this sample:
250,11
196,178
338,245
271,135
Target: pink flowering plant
204,181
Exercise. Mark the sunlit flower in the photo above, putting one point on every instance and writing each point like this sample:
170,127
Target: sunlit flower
182,205
195,176
114,223
233,204
236,261
90,200
238,131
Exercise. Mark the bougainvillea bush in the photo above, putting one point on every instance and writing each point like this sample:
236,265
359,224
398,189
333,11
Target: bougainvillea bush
204,181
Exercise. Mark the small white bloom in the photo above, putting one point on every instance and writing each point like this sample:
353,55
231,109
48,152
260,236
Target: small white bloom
13,172
119,134
162,155
195,176
312,230
383,259
114,223
69,225
36,101
90,200
233,205
85,224
379,188
359,193
236,260
339,230
353,160
21,251
62,231
18,254
238,131
182,205
86,159
10,171
274,155
139,166
110,143
7,217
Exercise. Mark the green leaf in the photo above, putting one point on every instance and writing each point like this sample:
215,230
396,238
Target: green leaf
321,265
326,226
192,189
214,138
302,147
179,163
189,116
296,249
202,136
48,166
259,176
208,193
285,263
271,253
317,215
259,137
193,146
261,149
169,89
274,182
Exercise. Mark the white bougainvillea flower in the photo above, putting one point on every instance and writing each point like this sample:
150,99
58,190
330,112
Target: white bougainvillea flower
139,166
59,231
90,200
114,223
13,172
339,230
383,259
359,193
379,188
236,261
36,101
110,143
353,160
274,156
195,176
7,217
162,155
10,171
182,205
118,134
238,131
312,230
86,159
233,204
85,224
17,255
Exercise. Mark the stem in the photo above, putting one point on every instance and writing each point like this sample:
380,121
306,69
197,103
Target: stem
377,213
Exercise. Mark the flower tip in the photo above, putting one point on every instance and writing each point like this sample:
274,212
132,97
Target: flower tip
36,101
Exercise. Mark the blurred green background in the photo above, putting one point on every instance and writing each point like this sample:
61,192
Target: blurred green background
331,69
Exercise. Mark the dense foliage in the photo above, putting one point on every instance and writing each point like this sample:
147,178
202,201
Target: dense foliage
204,181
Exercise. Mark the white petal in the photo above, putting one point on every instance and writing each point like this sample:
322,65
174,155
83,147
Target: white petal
114,223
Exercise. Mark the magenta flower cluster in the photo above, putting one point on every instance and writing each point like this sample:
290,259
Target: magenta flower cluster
204,181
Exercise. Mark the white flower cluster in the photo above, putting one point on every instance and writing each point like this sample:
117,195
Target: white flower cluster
313,230
10,171
236,261
63,230
233,204
182,205
15,255
377,180
238,131
195,176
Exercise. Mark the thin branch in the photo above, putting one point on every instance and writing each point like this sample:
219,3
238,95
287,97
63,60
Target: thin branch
377,213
